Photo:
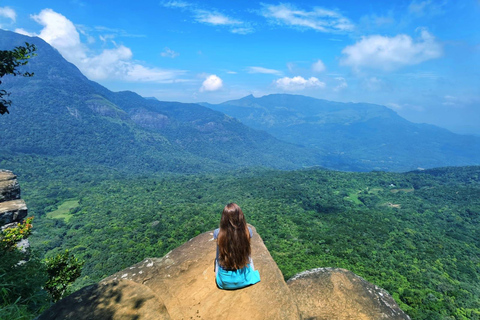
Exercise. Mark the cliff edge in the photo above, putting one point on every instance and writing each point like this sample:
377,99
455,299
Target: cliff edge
181,285
12,208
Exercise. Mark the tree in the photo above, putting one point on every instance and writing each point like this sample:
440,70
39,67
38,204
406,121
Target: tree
62,270
10,60
22,275
25,280
10,237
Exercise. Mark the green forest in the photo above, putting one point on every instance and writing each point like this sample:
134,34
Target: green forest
414,234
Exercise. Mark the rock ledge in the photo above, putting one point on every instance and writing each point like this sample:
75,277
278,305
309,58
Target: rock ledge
181,285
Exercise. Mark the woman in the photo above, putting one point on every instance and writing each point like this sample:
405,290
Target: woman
233,265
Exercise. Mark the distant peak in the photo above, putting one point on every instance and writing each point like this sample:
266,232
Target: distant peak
249,97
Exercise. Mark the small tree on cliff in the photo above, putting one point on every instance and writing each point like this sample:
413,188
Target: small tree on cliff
10,60
23,275
62,270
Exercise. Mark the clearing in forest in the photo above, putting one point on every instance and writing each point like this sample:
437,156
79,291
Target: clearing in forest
63,210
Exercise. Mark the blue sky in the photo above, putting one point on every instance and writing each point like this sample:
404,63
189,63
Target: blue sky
419,57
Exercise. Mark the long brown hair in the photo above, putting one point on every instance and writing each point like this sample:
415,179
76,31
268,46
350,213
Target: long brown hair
233,239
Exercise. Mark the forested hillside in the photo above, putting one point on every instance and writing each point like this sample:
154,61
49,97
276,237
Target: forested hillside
60,113
414,234
354,136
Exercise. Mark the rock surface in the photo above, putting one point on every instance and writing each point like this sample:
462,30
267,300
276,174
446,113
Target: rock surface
12,208
112,300
185,281
12,211
9,187
339,294
181,285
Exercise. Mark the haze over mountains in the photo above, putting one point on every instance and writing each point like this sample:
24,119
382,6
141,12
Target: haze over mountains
60,113
354,136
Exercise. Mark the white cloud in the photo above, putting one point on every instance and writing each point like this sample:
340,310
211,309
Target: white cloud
169,53
25,32
342,84
318,66
405,107
291,66
318,19
214,18
372,22
459,102
139,73
110,32
60,32
263,70
450,101
106,37
374,84
394,106
388,53
176,4
426,7
110,63
8,13
243,30
298,83
116,63
211,83
211,17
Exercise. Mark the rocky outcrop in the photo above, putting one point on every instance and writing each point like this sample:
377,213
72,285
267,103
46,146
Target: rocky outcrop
150,120
181,285
339,294
184,281
12,208
112,300
9,187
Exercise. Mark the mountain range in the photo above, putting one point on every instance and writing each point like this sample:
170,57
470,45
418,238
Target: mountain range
60,113
354,136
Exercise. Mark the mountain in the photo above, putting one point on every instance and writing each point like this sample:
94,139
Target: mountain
354,136
60,113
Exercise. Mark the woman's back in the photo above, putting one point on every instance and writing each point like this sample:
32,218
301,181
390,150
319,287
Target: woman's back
233,264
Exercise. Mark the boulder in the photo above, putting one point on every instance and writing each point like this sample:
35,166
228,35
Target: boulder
339,294
9,187
12,208
12,211
184,280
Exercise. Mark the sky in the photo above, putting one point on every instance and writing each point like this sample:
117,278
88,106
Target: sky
420,58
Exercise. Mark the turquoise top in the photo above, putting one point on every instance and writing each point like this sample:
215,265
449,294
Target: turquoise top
235,279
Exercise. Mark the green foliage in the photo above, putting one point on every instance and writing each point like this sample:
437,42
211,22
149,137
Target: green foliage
10,61
11,236
413,234
22,277
63,269
13,311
